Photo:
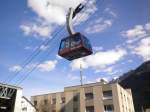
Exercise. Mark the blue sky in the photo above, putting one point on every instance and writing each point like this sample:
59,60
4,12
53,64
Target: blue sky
118,30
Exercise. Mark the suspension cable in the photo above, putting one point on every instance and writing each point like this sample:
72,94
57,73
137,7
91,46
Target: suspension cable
48,41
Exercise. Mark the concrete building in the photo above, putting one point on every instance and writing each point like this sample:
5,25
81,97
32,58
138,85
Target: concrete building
10,98
94,97
138,80
27,106
147,110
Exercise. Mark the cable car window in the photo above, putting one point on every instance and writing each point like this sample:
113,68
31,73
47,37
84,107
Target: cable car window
75,41
67,43
86,43
64,44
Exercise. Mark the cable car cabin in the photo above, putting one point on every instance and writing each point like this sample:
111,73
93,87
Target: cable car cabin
75,46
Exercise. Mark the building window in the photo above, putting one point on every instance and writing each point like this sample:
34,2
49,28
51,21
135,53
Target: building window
75,98
121,95
54,100
35,103
128,100
24,109
89,96
63,99
109,108
53,110
124,97
107,94
62,109
90,109
75,109
45,101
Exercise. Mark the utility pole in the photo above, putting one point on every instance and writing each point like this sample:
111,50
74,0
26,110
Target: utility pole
81,75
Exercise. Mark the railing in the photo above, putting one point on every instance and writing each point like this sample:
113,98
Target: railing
107,98
108,111
6,92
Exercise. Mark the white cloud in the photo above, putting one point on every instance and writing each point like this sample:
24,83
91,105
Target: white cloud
109,70
48,10
98,48
147,26
73,77
111,12
135,33
15,68
47,66
54,11
130,61
98,25
28,48
58,57
143,48
99,60
51,13
26,29
44,47
36,30
77,63
138,40
90,81
31,66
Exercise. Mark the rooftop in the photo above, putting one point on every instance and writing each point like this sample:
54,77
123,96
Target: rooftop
10,86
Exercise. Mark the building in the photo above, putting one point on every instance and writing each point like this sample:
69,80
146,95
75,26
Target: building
139,82
10,98
94,97
147,110
27,106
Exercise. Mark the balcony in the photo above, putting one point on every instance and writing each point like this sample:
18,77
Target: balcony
107,95
107,98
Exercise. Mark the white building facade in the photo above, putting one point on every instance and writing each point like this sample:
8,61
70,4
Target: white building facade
10,98
27,106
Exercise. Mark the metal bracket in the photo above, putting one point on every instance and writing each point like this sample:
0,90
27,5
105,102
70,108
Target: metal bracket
69,21
71,14
6,93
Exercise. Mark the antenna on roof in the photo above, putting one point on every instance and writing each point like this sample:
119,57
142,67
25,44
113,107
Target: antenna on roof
81,75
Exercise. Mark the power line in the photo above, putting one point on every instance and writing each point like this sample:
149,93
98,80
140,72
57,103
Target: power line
43,58
30,61
37,63
36,66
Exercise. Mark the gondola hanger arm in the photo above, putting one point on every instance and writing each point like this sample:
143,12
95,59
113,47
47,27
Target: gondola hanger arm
71,14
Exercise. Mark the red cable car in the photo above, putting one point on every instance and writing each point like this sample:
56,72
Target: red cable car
75,46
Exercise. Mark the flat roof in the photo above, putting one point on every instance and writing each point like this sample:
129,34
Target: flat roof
76,86
10,86
50,93
87,85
